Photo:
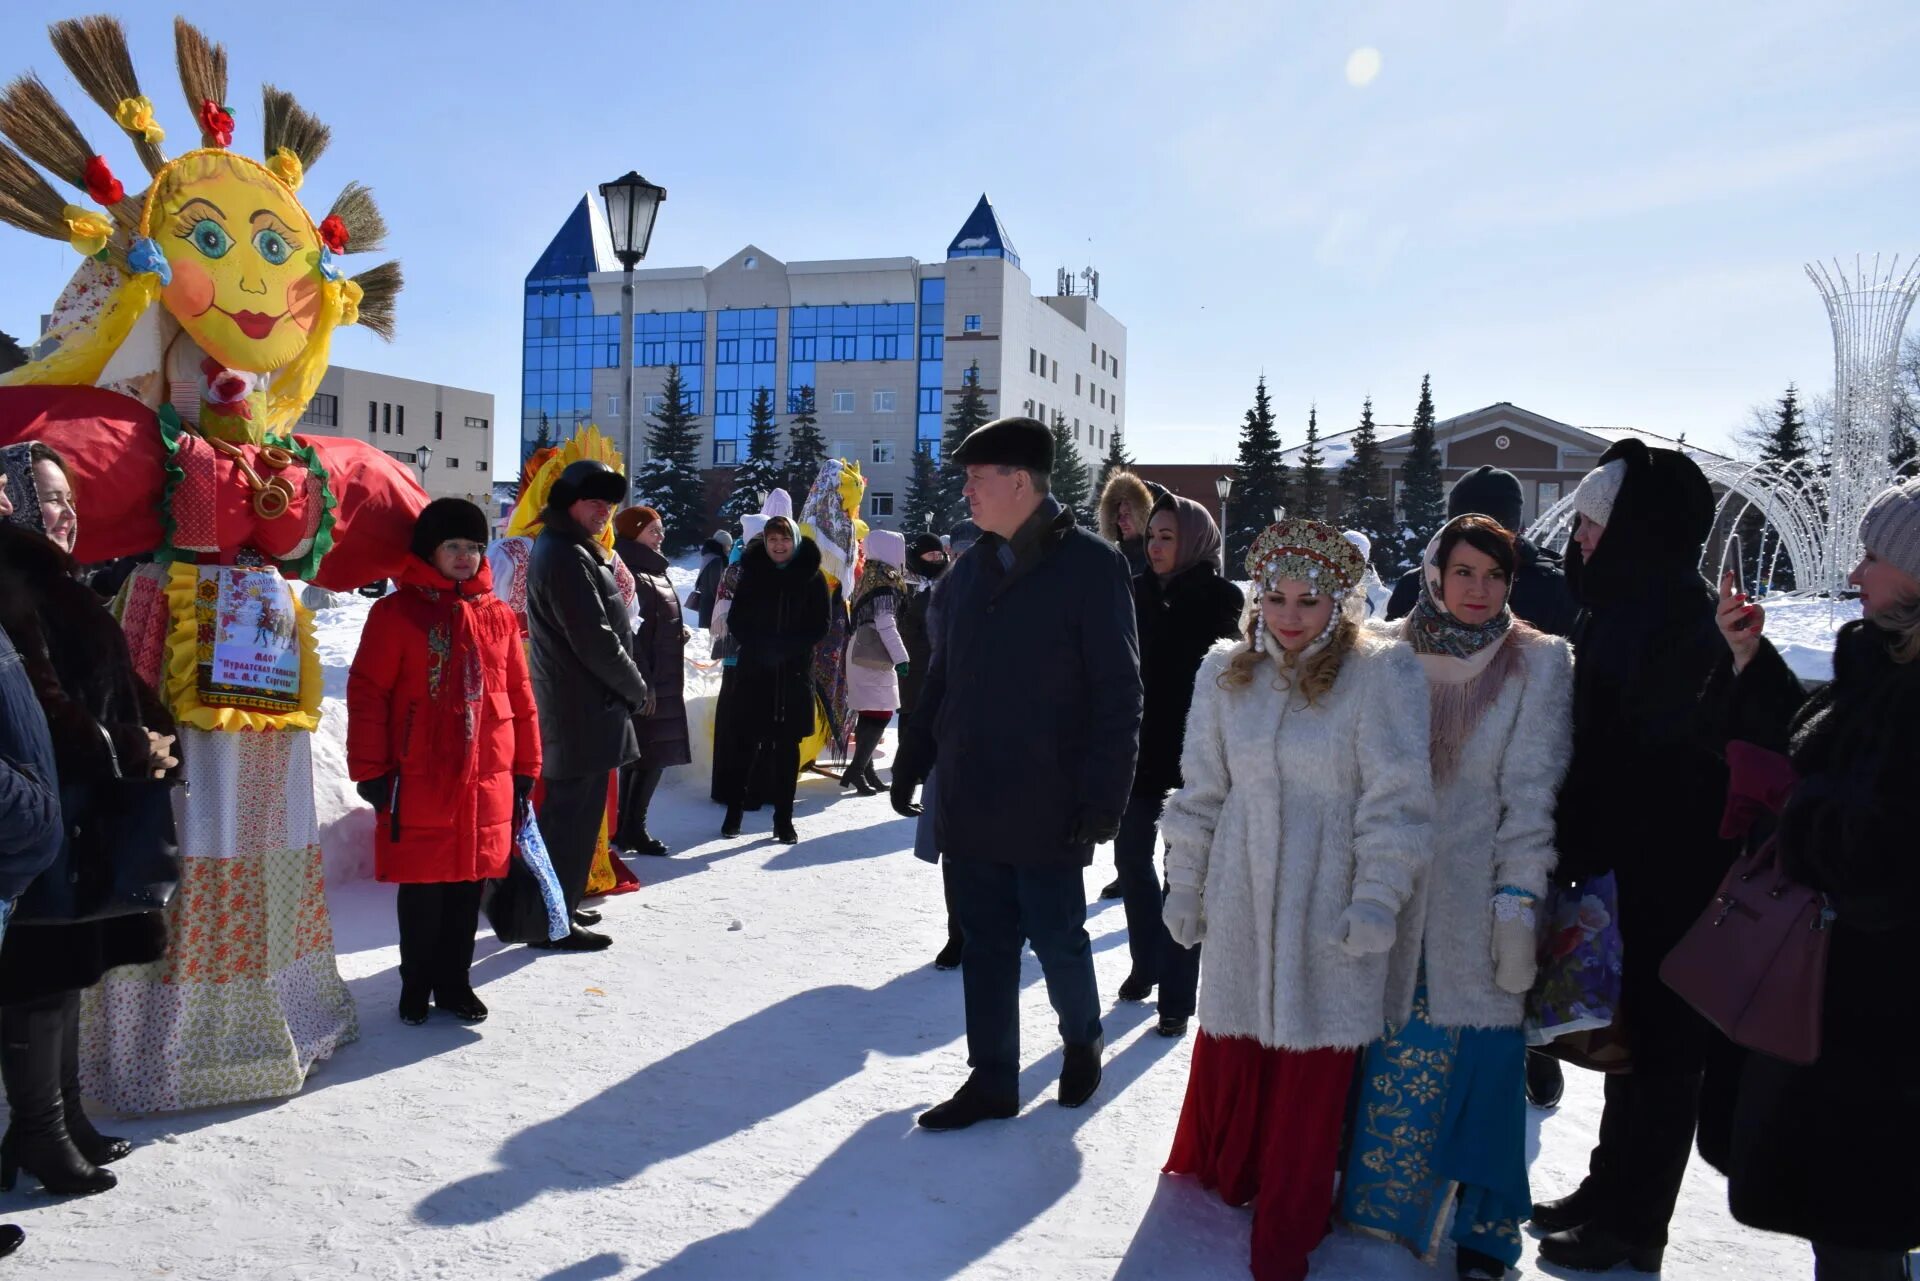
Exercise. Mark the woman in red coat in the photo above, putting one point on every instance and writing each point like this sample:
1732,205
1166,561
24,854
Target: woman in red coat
443,741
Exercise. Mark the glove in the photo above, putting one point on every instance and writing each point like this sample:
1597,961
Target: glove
522,788
1185,920
377,792
900,670
1366,928
1516,942
1095,829
901,794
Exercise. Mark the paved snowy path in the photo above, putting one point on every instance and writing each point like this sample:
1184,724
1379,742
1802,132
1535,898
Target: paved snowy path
728,1093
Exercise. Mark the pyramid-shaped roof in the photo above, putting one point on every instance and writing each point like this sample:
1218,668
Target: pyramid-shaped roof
581,246
982,236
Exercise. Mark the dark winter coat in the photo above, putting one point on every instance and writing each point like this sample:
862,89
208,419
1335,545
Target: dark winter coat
706,584
584,677
911,619
1826,1152
1541,596
455,811
660,651
1644,792
1179,622
1031,706
30,827
75,655
779,614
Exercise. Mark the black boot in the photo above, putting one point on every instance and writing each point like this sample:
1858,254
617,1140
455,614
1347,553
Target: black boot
857,775
949,956
1545,1082
10,1239
1471,1265
730,825
1136,988
37,1140
872,776
972,1102
576,940
452,987
1582,1205
101,1149
1593,1247
1112,890
1080,1075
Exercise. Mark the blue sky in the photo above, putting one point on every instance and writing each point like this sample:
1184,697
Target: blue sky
1598,211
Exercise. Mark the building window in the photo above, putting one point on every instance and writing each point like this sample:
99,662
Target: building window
479,464
880,505
972,324
727,351
1093,352
373,418
1042,411
1076,384
1033,358
386,418
842,402
726,402
843,347
1116,366
438,424
763,350
1056,371
883,400
478,424
453,463
654,401
841,449
322,411
613,404
726,452
1549,495
803,348
882,451
399,420
1103,438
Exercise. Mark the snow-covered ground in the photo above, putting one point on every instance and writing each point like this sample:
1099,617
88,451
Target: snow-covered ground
728,1092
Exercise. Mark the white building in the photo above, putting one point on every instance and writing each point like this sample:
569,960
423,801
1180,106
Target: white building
444,433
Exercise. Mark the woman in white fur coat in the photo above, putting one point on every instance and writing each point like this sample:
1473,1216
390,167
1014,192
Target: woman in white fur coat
1442,1113
1294,846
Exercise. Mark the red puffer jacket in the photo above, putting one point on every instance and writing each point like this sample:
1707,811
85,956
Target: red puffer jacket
455,809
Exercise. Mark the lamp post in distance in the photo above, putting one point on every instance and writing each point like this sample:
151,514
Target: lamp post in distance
632,203
421,457
1223,487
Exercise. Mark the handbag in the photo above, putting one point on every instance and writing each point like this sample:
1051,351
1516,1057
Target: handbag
1755,963
118,856
868,650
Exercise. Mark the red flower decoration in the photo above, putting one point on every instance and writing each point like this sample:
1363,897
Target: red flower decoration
334,232
216,122
102,187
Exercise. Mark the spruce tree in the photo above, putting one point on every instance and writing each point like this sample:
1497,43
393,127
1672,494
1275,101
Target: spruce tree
1310,486
1260,479
670,481
923,496
1361,480
969,412
1424,502
543,439
1117,459
761,470
1787,442
806,447
1071,484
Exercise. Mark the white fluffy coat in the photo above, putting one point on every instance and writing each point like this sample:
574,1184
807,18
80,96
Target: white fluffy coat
1289,813
877,689
1493,826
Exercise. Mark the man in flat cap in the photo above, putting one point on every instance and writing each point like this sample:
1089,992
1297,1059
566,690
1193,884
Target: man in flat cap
1031,707
584,678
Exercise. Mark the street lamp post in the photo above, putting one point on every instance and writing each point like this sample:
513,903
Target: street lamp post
421,457
632,203
1223,487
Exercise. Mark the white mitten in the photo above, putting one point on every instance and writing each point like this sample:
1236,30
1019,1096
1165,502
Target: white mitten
1516,942
1186,922
1366,928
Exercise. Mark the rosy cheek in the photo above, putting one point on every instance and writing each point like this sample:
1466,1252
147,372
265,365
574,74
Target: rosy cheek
303,301
191,292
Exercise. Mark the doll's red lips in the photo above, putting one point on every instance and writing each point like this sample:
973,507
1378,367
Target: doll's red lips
252,323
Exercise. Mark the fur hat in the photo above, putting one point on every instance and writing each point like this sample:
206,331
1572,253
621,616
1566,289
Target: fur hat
1891,527
1487,491
1125,487
631,520
588,478
444,519
887,547
1594,497
1008,442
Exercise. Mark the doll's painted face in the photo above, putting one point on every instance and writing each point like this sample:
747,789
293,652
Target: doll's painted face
245,285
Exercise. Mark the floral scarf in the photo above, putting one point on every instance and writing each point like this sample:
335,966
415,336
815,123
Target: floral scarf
456,683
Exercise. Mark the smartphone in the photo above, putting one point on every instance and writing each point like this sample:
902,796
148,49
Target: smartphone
1733,560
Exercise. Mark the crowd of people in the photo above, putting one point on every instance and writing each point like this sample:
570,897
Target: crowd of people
1363,820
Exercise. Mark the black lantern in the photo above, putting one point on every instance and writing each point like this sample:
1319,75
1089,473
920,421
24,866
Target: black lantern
631,202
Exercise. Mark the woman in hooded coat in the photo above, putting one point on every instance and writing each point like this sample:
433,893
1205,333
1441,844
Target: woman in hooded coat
1642,798
779,614
1440,1122
1125,504
1824,1150
1183,608
877,655
443,740
104,722
659,650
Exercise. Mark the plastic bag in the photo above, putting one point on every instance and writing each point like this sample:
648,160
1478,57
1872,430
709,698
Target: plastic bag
527,905
1578,989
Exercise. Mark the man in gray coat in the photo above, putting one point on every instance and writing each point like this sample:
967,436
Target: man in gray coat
584,677
1031,709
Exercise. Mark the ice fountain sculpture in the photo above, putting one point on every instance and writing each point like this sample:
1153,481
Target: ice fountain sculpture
1811,508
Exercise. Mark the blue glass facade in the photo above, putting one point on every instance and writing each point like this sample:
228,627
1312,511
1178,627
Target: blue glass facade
875,331
933,341
674,338
563,343
745,355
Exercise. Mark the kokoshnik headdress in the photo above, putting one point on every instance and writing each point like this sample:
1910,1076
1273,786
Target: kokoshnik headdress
1307,551
165,243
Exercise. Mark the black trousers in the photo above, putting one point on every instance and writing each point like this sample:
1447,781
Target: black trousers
570,814
1156,957
1002,907
437,925
1847,1263
775,768
1646,1136
637,786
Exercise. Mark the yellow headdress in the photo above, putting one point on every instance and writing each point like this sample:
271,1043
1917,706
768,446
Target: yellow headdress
528,513
220,240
